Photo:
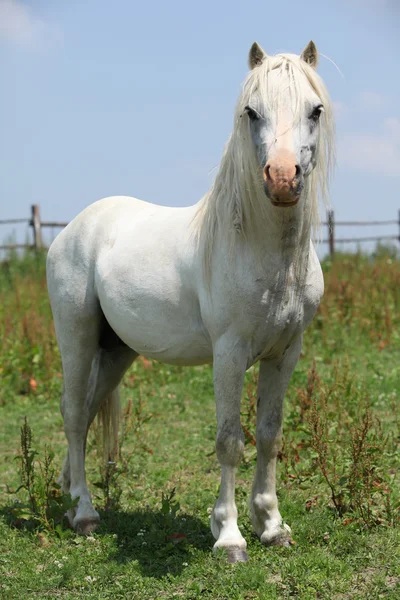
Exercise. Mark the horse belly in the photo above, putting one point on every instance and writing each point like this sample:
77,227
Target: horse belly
155,326
170,346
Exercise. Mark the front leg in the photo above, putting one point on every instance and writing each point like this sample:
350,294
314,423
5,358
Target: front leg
273,380
230,359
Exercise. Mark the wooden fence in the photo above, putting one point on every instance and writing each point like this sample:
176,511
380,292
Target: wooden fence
37,225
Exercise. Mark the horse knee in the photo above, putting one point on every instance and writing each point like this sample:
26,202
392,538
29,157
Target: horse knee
230,446
269,441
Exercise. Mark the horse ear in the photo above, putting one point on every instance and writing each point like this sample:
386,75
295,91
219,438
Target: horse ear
310,55
256,55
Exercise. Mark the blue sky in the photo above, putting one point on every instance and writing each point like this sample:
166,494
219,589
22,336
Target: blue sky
101,98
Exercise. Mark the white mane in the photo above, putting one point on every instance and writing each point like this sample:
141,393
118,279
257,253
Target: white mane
235,206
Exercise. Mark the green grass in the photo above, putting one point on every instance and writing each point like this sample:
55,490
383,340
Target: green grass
143,549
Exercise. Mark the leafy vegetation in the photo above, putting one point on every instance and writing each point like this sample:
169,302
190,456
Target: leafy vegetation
45,506
337,478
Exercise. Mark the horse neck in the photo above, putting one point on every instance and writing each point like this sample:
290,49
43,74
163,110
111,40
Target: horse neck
288,230
283,236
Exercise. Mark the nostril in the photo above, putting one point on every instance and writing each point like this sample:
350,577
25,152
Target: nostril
267,171
298,171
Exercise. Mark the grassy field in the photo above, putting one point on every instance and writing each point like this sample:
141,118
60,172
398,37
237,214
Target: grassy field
338,472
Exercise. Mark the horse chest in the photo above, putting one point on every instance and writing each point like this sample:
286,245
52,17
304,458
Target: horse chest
278,325
282,318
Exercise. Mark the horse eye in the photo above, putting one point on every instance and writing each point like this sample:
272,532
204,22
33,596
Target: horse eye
316,113
253,115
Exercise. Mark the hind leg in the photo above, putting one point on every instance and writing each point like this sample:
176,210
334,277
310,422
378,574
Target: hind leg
77,319
77,354
107,370
84,518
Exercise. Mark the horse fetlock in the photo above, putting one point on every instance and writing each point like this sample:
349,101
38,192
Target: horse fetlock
270,528
229,536
222,515
224,526
265,516
263,504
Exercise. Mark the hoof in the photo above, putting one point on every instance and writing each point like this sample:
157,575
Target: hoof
236,554
86,526
279,536
281,540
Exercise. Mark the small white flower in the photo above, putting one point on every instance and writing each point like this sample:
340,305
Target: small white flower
58,564
185,564
90,579
90,538
115,536
140,533
209,510
183,519
144,543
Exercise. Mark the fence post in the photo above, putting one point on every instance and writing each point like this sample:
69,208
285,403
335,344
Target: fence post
37,231
331,232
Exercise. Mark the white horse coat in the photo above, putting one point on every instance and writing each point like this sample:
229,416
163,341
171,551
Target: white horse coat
230,281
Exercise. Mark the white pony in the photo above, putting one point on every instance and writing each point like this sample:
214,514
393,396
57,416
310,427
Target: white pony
232,280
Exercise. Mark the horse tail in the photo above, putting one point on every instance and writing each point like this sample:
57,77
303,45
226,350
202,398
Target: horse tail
108,420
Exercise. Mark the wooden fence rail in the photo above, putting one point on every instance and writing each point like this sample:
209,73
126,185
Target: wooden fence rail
37,224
